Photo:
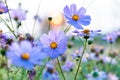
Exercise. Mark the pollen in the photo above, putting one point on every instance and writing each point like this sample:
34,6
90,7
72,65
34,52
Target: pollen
25,56
75,17
86,31
53,45
2,10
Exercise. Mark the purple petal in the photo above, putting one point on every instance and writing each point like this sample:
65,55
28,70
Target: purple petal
85,23
81,11
73,8
75,24
26,46
86,18
67,12
44,39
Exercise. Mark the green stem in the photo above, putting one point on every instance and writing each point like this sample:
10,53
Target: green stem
60,69
14,74
80,60
17,70
67,29
40,69
8,26
49,27
23,74
9,14
111,54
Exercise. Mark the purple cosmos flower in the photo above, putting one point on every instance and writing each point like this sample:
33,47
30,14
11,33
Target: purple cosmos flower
68,66
24,55
76,18
18,14
31,74
5,39
86,33
97,75
36,17
54,44
112,76
77,53
3,8
50,73
111,37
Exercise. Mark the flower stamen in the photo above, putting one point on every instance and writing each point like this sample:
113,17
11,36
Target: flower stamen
25,56
53,45
86,31
75,17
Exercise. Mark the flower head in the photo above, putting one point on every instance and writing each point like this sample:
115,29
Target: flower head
54,44
97,75
112,76
50,73
24,55
3,8
86,33
68,66
76,18
18,14
111,37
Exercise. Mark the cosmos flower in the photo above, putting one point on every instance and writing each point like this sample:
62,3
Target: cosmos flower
77,53
3,8
97,75
18,14
68,66
107,59
112,76
36,17
5,40
86,33
76,18
50,73
111,37
54,44
24,55
31,74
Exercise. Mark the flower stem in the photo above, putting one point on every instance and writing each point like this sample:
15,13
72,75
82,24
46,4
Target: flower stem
67,29
111,57
80,60
60,68
9,14
40,69
17,70
8,26
35,19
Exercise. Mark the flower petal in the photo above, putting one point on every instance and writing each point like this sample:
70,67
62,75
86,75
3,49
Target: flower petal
81,11
73,8
67,11
75,24
26,46
85,23
85,18
44,39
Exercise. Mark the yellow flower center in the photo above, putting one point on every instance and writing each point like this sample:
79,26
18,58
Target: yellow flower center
53,45
25,56
86,31
2,10
75,17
